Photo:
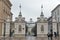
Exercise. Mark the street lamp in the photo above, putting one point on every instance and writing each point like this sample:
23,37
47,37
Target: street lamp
55,34
50,34
4,29
58,28
11,31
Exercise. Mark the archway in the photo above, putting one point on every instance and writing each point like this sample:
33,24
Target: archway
31,31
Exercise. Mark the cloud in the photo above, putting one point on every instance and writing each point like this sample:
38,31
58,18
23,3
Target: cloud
32,8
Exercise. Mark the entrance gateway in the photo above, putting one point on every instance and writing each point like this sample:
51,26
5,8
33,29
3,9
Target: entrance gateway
22,28
31,28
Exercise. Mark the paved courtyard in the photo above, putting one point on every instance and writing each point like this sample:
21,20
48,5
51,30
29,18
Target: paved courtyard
31,38
26,38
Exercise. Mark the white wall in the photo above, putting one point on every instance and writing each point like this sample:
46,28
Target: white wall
7,28
54,27
17,28
39,28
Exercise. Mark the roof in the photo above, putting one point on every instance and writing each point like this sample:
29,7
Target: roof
55,7
49,18
9,2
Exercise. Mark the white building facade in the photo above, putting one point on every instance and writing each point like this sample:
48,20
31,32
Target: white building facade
56,20
42,26
19,25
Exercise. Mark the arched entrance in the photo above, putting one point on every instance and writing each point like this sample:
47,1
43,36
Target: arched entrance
31,28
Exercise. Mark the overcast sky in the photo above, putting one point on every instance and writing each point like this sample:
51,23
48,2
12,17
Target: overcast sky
32,8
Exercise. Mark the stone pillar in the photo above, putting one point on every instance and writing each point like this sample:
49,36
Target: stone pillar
42,35
8,25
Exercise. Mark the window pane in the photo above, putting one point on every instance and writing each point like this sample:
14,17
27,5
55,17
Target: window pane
42,28
19,27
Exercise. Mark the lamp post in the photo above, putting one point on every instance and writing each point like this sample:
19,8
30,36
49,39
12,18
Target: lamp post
11,31
58,28
50,34
4,29
55,35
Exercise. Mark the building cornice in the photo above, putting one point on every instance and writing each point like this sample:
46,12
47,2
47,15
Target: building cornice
8,4
11,13
49,18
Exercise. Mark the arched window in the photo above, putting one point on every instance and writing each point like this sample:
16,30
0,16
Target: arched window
19,27
42,28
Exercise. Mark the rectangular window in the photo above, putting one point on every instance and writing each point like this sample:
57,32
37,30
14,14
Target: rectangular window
58,12
42,28
55,15
19,27
3,9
